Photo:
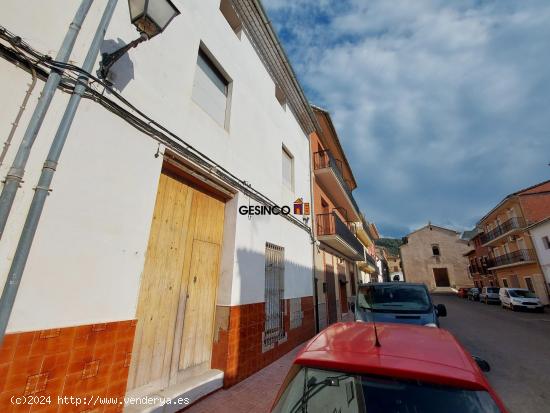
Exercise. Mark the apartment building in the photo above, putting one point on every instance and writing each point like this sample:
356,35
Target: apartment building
337,248
162,263
479,263
540,235
367,233
434,255
506,234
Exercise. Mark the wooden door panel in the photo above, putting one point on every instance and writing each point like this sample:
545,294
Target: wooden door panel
200,305
160,283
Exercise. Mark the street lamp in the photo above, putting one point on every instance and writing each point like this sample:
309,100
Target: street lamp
150,18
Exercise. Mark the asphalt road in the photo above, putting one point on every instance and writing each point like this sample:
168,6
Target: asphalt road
516,345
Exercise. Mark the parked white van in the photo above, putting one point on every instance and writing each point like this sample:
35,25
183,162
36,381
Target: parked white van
519,298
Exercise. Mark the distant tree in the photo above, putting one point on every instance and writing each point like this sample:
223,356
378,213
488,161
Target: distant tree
392,244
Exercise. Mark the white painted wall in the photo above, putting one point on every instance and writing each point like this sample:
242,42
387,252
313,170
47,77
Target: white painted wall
542,230
88,254
397,273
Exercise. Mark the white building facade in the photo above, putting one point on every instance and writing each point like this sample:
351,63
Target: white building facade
148,271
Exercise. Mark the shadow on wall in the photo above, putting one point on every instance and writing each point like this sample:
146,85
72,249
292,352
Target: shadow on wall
238,347
122,71
251,273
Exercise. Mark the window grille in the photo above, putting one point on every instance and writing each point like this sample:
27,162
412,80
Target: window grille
296,314
274,295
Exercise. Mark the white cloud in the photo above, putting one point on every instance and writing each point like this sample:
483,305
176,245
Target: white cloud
441,106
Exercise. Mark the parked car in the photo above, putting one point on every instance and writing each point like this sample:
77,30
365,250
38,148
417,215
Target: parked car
489,295
386,368
393,302
473,294
520,298
463,292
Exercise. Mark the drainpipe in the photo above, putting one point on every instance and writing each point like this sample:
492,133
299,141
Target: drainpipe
21,109
43,188
15,174
313,238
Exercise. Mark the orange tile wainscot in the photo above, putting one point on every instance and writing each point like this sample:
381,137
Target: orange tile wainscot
85,361
237,348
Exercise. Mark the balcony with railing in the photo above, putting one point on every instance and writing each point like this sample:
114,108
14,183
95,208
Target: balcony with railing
514,258
481,266
332,231
506,228
329,175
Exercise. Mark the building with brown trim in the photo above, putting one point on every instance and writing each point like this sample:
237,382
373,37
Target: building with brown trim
505,233
367,233
479,263
335,213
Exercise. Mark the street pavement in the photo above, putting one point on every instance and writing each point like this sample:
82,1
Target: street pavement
516,345
252,395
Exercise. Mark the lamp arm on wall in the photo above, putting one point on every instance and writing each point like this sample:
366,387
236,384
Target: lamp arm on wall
109,59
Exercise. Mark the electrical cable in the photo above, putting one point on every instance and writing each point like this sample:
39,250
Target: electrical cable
72,74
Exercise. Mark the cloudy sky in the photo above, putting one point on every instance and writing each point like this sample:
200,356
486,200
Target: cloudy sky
443,107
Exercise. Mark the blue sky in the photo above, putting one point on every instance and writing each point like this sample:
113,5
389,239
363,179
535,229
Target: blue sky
443,107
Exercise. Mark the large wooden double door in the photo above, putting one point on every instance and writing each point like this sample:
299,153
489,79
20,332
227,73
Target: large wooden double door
177,297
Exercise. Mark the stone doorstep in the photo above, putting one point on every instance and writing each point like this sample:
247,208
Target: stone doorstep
195,388
444,290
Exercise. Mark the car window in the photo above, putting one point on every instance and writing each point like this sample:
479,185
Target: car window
522,294
316,390
493,290
394,298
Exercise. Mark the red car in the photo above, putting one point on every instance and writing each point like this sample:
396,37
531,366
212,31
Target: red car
399,368
463,292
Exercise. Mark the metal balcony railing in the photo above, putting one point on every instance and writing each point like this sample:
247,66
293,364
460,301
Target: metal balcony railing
481,266
514,258
325,159
506,226
331,224
370,259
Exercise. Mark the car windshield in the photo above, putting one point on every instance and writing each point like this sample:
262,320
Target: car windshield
522,293
390,298
492,290
314,390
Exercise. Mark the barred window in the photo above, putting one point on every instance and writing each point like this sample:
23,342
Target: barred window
274,295
296,313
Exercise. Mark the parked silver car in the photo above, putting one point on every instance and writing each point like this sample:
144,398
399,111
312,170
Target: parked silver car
489,295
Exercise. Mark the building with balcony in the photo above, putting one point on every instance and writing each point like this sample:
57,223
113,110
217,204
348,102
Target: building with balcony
338,250
504,231
479,262
435,256
367,233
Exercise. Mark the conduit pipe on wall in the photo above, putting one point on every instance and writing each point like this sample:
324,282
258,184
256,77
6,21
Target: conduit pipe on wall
43,188
21,108
17,170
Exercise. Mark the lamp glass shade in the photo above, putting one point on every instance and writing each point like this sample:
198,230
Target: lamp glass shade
137,8
152,16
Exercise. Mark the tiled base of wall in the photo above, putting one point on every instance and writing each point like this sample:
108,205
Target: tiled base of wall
84,361
237,347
